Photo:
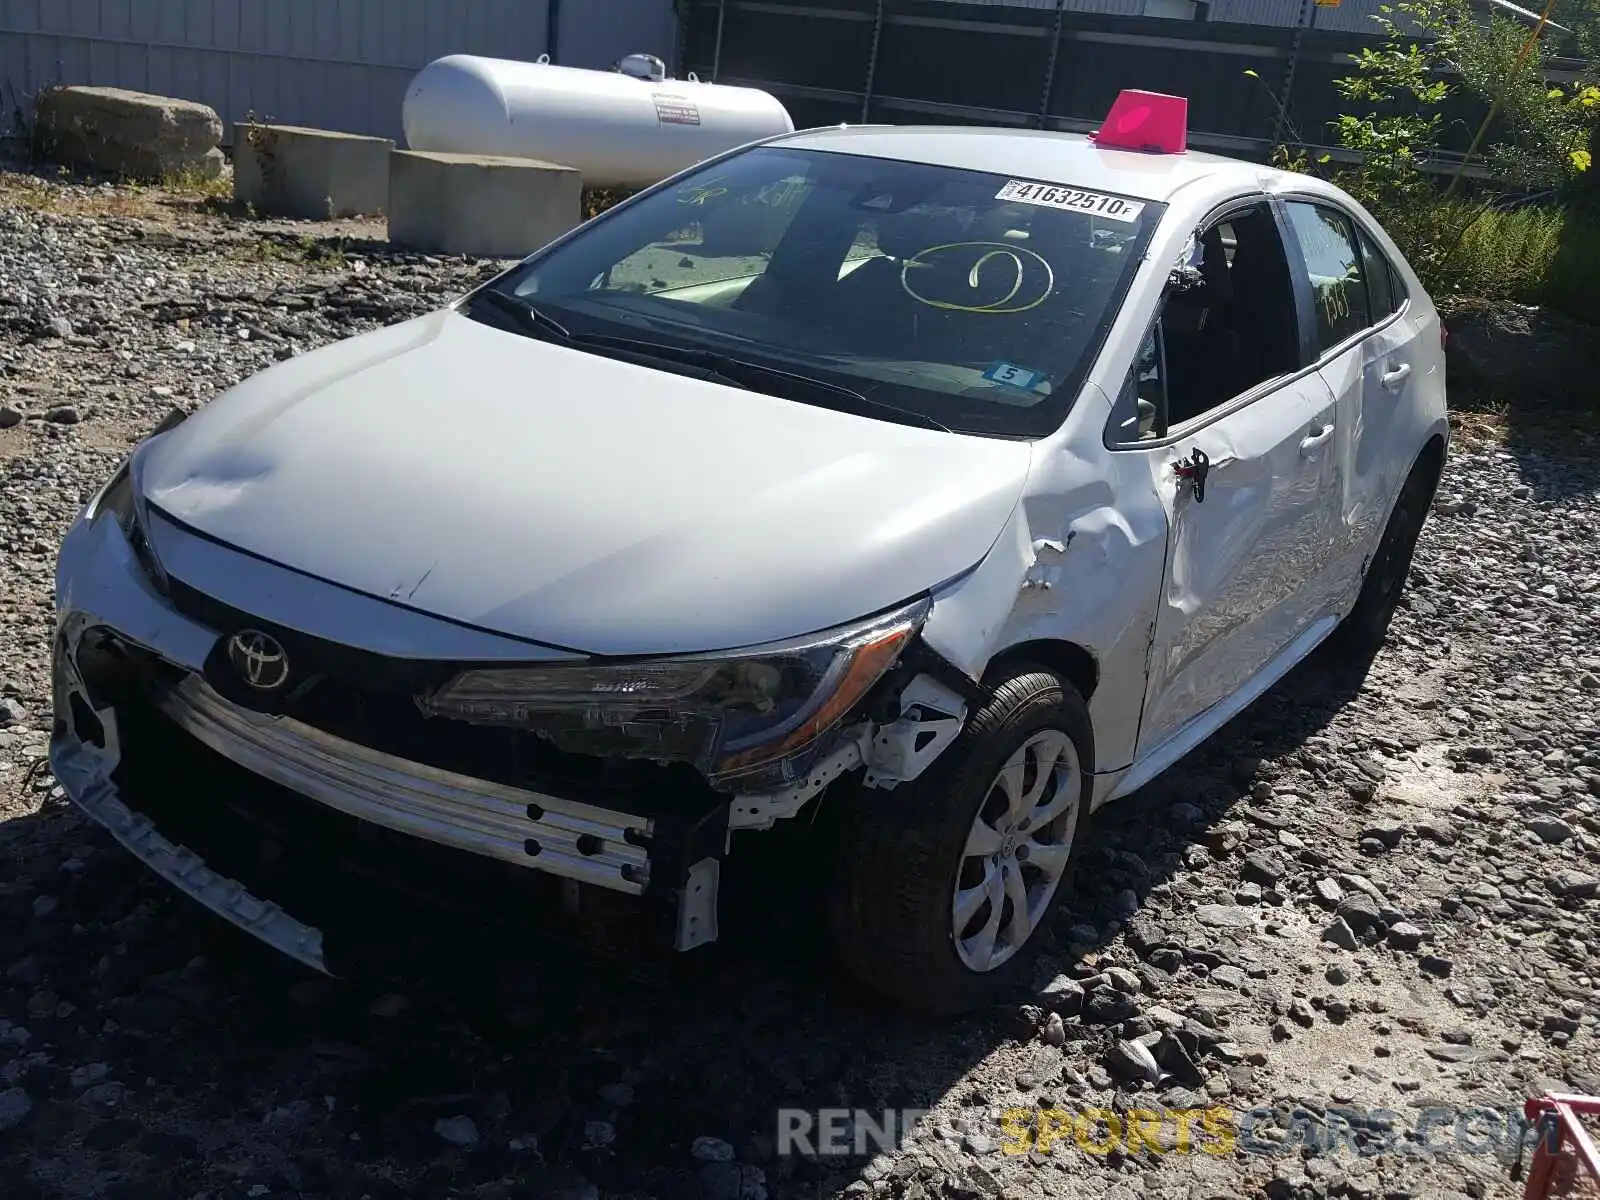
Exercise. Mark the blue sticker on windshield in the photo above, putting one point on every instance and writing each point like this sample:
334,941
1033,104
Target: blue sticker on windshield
1009,375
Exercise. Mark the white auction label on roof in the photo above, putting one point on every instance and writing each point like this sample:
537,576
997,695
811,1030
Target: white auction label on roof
1053,195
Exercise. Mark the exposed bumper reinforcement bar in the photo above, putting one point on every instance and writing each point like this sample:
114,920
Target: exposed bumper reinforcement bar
528,829
84,771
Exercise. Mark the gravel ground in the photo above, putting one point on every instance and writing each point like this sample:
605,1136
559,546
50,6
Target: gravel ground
1365,908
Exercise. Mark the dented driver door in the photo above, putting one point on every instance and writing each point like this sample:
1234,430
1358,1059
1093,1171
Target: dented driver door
1252,501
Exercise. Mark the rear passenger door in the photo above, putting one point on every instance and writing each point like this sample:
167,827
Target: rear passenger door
1388,387
1365,343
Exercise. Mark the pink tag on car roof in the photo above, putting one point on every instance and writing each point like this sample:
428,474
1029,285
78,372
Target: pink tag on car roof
1149,121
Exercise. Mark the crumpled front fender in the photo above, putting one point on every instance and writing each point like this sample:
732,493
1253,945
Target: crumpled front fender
1079,561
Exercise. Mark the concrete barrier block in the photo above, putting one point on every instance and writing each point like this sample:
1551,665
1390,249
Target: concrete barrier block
483,206
128,133
319,174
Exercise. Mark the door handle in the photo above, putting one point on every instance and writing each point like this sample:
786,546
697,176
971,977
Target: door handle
1194,471
1313,440
1393,379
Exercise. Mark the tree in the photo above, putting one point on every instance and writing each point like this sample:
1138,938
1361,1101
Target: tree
1534,135
1396,128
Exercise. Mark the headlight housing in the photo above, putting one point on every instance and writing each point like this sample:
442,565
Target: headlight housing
754,718
120,501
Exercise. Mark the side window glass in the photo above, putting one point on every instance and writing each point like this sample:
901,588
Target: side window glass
1338,283
1228,325
1141,410
1380,278
1397,287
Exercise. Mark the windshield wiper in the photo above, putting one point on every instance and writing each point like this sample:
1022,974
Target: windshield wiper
735,372
527,312
753,376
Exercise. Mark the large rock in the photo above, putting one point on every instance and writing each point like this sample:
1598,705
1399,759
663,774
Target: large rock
128,133
1510,353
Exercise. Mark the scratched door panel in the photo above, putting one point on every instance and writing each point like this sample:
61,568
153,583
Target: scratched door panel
1239,561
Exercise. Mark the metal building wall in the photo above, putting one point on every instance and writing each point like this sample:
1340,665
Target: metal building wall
337,64
1114,8
1349,16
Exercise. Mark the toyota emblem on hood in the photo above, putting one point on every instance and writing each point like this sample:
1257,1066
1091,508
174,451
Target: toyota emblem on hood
259,659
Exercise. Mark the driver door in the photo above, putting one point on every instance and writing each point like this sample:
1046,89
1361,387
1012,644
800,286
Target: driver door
1238,439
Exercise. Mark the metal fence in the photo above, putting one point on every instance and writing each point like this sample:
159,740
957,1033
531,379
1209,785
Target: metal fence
1251,85
336,64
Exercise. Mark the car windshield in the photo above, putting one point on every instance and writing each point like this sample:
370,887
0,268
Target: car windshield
951,298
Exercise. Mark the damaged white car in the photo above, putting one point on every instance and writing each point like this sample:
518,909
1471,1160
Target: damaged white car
962,480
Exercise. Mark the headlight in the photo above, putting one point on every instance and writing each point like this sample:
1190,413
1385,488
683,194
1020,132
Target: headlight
760,712
119,500
115,498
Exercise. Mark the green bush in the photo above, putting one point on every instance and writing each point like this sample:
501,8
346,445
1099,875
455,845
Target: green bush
1573,281
1530,255
1473,242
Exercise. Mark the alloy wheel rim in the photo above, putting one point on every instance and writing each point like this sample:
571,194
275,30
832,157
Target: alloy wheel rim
1017,851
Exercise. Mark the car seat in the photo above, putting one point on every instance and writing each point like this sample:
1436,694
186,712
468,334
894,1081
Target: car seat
1202,349
1263,316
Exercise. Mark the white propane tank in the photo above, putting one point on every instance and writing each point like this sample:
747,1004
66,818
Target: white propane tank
619,128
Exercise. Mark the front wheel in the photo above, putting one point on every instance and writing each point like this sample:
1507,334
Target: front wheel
947,884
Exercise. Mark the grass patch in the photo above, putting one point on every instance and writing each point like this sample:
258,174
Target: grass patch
597,200
29,191
1533,255
192,183
326,254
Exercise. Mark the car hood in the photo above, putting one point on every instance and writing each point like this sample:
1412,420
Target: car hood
538,491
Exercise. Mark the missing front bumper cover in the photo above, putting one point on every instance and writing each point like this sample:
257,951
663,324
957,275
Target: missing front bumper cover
84,771
561,837
419,813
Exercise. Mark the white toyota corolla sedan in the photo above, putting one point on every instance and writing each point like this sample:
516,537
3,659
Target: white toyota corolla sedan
954,480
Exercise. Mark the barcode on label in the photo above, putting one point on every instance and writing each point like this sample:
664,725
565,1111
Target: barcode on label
1052,195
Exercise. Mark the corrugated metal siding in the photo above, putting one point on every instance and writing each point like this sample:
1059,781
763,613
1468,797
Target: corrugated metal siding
336,64
1114,8
1351,16
595,33
1256,12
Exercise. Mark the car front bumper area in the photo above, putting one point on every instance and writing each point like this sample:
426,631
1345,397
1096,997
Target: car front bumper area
324,847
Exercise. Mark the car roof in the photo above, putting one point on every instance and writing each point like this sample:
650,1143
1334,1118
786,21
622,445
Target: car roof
1039,154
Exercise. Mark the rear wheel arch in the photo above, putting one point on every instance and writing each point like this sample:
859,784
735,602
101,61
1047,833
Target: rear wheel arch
1431,459
1365,627
1428,466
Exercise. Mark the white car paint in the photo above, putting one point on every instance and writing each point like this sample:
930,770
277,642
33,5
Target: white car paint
555,496
1185,673
462,491
1244,569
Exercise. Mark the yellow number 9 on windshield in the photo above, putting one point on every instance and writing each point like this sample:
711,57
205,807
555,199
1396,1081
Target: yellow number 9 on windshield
1001,278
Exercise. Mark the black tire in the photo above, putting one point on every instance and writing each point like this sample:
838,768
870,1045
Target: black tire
890,911
1363,631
